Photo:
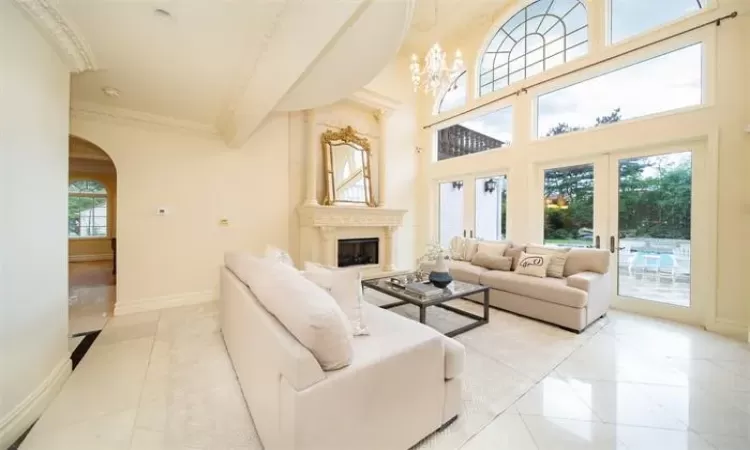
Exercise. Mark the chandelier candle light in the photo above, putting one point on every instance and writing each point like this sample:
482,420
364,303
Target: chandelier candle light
436,76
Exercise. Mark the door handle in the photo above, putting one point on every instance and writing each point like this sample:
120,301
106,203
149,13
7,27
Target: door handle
611,244
597,242
471,234
464,233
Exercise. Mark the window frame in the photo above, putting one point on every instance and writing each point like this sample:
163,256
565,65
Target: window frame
461,118
104,195
607,35
705,36
497,27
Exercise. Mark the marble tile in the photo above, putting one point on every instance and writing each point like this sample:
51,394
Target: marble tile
111,431
727,442
147,440
643,438
554,397
507,432
128,327
563,434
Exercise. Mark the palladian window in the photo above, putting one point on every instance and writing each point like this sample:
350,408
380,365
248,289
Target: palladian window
542,35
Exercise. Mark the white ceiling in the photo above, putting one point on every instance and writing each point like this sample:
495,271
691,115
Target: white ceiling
430,24
223,63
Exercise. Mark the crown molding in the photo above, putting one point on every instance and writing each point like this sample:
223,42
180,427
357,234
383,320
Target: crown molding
63,34
122,116
374,100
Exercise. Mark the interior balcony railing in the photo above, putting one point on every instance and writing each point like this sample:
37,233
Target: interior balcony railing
458,141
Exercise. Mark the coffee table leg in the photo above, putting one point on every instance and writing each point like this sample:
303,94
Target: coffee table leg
487,305
422,311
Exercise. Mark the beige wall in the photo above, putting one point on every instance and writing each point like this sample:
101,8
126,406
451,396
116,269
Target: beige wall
717,128
174,258
34,101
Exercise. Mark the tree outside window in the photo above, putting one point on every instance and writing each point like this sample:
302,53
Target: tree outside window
87,209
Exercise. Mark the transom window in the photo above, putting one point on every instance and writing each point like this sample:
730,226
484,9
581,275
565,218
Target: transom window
542,35
455,95
632,17
87,209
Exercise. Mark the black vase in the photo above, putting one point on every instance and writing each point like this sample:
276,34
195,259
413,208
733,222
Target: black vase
440,279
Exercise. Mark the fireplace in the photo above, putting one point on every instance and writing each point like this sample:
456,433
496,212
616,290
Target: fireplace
358,252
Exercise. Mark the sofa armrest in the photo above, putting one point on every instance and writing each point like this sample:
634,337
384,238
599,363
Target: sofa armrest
598,288
585,281
455,357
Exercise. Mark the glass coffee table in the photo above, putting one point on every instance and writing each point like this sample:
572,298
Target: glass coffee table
457,289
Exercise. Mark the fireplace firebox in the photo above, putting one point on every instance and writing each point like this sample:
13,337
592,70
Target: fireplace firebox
358,252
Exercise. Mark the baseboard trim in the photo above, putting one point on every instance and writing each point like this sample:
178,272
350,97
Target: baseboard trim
20,418
167,301
729,328
88,258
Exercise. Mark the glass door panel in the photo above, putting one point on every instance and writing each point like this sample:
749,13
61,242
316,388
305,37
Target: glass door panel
569,206
653,227
490,200
450,211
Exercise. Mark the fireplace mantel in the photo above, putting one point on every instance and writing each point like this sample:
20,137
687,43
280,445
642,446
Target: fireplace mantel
349,216
322,226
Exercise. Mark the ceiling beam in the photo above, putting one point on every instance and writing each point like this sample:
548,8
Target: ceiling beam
304,31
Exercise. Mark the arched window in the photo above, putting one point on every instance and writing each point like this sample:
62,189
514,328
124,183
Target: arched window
455,95
542,35
87,209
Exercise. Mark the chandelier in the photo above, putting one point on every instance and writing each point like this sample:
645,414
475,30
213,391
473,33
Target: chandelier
436,76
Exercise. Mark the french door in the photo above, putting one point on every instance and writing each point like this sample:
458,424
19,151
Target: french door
473,206
643,208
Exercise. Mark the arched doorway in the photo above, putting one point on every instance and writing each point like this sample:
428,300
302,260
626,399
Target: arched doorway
92,237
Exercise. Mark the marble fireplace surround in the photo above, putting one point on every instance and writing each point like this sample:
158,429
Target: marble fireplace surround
323,226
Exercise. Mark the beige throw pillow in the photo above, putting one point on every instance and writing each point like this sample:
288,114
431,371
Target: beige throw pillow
515,253
533,265
559,256
492,262
457,248
307,311
470,248
345,286
492,248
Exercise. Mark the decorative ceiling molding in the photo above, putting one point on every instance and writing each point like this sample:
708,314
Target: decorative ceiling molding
374,100
122,116
61,32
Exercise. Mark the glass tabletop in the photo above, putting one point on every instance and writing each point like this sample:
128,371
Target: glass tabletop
396,286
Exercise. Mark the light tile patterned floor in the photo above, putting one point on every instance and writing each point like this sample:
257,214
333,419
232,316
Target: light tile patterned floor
163,381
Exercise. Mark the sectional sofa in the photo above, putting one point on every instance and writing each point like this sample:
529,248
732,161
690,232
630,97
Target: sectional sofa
573,302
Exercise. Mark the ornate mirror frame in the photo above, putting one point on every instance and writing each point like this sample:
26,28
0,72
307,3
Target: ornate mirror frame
345,136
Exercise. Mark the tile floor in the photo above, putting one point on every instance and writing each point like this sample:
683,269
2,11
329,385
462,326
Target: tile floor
91,296
163,381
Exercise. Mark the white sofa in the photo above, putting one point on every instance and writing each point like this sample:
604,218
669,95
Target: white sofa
404,381
573,302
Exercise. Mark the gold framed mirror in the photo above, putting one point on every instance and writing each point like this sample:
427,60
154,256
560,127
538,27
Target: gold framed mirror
347,167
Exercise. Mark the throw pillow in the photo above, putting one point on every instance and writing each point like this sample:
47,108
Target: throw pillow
492,248
457,248
345,285
309,313
470,249
492,262
533,265
515,253
279,255
559,256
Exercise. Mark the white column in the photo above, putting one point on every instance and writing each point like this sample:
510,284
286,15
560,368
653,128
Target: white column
311,159
389,264
382,118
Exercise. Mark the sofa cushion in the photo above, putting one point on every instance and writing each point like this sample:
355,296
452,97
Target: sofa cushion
455,357
492,248
586,260
554,290
345,286
514,251
465,271
470,248
457,247
559,256
533,265
492,262
306,310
